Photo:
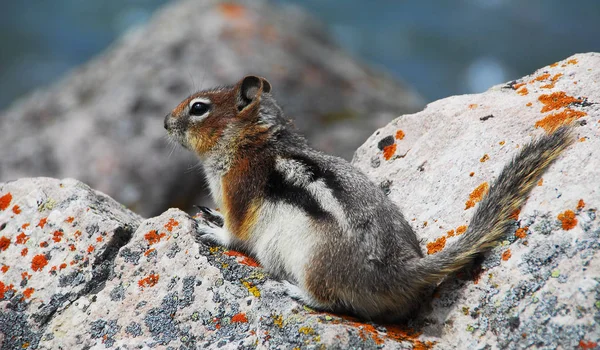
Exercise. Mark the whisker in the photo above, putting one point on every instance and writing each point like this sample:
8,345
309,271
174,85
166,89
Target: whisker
193,83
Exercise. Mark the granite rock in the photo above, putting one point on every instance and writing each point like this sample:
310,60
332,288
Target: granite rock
540,288
103,123
58,240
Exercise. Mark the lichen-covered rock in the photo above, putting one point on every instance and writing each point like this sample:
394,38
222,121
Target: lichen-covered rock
169,290
541,287
103,124
58,240
538,289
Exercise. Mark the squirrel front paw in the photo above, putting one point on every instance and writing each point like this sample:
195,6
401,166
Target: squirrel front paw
211,216
212,235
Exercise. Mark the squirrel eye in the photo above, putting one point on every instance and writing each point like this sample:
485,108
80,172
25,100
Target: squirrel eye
199,108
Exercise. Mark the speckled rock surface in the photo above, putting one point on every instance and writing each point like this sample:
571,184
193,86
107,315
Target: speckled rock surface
169,290
58,239
541,287
538,289
103,124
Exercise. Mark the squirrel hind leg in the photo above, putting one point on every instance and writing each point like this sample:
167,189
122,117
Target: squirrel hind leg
303,296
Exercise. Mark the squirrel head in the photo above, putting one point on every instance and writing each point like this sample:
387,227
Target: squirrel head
224,115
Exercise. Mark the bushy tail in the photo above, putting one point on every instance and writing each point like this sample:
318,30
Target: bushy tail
492,218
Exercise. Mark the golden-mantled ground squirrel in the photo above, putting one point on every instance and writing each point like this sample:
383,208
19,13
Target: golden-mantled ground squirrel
318,223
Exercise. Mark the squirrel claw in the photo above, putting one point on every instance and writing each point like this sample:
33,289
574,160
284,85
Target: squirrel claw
212,235
211,215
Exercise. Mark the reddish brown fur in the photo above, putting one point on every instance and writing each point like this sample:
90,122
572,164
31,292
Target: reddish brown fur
181,107
240,201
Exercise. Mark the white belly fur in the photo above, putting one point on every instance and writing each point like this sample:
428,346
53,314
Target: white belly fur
283,239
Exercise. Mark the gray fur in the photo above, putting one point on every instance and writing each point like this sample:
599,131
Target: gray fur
364,257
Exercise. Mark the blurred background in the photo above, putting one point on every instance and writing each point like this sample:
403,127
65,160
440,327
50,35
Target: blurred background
440,48
84,85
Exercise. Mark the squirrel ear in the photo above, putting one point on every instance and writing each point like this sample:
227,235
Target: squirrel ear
250,88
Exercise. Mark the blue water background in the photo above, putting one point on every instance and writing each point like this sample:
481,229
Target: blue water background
440,48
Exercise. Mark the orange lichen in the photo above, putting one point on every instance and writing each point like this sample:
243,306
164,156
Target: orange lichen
552,82
4,243
25,225
556,100
4,288
522,232
172,223
461,229
515,214
582,139
582,344
450,233
62,266
471,173
27,292
523,91
572,61
243,259
541,77
153,237
567,219
400,135
24,251
43,244
506,255
5,201
396,333
517,86
4,268
147,252
239,318
21,238
99,239
42,222
70,219
57,236
90,248
38,262
77,234
472,106
388,151
501,143
554,64
541,182
232,11
16,209
580,204
553,121
477,195
484,158
25,275
436,246
529,104
149,281
72,247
